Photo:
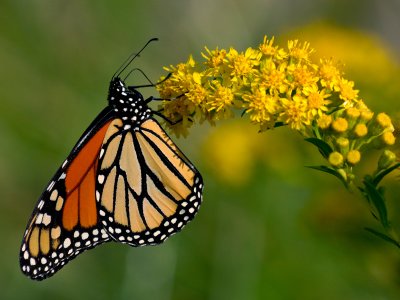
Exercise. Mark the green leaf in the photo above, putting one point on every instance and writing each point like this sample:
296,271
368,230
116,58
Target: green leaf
383,173
323,147
383,236
378,202
331,171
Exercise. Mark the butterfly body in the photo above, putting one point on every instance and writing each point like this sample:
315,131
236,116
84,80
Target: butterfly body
125,180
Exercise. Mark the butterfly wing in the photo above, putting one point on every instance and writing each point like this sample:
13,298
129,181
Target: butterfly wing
147,189
65,220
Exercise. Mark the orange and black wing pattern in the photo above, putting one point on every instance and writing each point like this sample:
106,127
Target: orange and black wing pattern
65,221
147,189
125,180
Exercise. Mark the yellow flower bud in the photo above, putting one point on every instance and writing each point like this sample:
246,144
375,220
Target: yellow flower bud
386,159
342,142
384,120
352,112
388,138
360,130
324,121
335,159
340,125
353,157
366,115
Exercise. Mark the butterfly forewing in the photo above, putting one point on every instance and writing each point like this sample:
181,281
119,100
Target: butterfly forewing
146,189
65,220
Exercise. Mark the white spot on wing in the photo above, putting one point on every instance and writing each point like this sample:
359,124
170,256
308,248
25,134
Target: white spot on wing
67,243
50,186
100,178
46,219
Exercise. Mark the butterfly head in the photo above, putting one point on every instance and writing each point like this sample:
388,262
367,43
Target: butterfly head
127,103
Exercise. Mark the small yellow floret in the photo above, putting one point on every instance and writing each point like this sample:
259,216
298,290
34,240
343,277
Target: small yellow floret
367,115
360,130
388,138
384,120
353,157
342,142
335,159
340,125
352,113
324,121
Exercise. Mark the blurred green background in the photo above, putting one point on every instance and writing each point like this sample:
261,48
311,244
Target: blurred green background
268,228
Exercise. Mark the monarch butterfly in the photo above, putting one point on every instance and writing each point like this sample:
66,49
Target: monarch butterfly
125,180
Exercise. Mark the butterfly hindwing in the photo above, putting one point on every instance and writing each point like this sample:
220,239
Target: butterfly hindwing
65,220
147,189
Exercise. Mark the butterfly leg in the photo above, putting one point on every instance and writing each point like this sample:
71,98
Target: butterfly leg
158,113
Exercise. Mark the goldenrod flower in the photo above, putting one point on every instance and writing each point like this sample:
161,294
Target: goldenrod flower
221,98
295,112
316,99
215,57
360,130
384,120
301,76
367,115
335,159
280,85
261,106
241,64
353,157
353,112
343,142
340,125
329,73
346,89
269,50
324,121
388,138
298,51
273,77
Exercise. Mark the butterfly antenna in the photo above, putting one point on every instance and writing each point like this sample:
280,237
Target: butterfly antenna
131,57
145,76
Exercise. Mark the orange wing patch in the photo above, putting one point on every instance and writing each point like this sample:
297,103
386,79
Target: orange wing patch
80,182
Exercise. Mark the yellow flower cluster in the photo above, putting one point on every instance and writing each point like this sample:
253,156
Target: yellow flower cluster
351,131
277,86
270,84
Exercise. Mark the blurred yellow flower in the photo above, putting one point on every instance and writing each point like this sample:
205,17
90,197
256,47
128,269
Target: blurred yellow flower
229,152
